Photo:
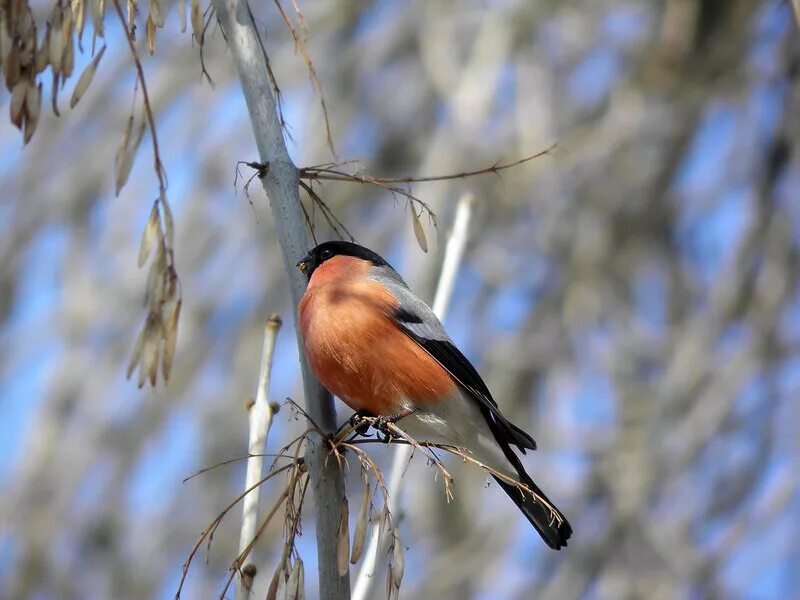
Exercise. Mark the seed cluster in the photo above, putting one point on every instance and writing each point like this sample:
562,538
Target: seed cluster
24,59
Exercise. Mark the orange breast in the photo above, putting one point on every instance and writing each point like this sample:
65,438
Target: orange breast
357,351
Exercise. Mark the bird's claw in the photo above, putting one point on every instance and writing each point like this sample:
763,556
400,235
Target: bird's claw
381,426
359,422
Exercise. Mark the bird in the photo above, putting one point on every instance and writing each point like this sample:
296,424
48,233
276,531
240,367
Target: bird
379,348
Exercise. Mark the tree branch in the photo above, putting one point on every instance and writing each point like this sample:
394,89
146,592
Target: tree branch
452,259
260,419
281,185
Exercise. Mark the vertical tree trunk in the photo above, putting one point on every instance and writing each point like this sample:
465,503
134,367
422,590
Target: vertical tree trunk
281,185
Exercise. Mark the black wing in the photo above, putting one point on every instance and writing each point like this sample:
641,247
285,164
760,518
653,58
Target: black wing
451,358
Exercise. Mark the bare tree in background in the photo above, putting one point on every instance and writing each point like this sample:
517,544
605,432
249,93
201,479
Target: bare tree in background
637,294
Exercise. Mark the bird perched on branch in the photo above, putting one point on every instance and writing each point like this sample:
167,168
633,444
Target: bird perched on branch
373,343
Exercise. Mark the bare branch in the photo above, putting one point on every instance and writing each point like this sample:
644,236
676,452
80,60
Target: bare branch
260,419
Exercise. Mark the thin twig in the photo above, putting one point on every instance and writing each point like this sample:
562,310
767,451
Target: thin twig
332,174
148,109
233,460
452,259
212,527
329,215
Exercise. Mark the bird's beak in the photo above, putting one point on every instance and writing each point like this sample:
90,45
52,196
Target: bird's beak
304,263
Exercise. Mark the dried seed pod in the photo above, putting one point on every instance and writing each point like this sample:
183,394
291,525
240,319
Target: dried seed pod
136,354
127,153
360,533
98,12
150,34
343,547
132,17
85,79
301,580
156,13
149,235
68,61
56,39
33,108
280,589
169,225
79,10
170,340
272,591
54,94
33,102
27,52
151,340
13,69
153,332
389,582
17,105
43,54
154,295
197,21
419,232
5,38
398,561
292,586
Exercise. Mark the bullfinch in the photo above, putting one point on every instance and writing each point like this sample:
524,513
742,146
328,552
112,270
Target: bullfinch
374,344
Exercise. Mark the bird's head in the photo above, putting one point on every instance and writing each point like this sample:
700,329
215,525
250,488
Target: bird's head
327,250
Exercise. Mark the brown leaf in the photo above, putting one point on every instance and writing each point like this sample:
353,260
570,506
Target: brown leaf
343,547
419,232
86,78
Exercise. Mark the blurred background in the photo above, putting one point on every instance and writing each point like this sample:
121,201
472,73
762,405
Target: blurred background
632,300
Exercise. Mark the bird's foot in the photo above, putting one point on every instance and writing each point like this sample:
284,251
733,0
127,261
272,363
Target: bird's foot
360,423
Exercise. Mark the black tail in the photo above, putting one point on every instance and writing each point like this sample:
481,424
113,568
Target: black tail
543,515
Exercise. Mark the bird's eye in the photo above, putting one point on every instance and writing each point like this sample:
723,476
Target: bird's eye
326,254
